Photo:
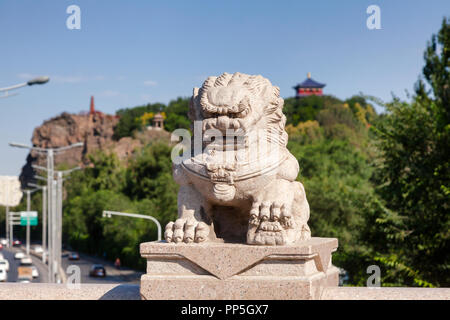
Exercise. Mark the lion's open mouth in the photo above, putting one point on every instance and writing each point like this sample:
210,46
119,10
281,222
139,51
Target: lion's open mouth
223,116
223,122
238,110
233,112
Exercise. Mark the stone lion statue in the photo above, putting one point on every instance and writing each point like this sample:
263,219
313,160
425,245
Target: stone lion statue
241,185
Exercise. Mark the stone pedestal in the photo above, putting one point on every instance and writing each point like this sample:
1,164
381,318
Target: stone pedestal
238,271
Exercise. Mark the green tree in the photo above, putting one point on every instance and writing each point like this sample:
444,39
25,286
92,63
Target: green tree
130,121
336,179
307,108
436,69
176,112
144,186
413,174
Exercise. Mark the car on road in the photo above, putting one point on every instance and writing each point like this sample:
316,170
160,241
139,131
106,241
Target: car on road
17,243
1,246
38,249
97,270
3,275
4,241
4,264
34,272
26,261
19,255
24,274
74,256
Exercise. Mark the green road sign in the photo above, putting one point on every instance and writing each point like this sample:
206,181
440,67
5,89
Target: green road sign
28,215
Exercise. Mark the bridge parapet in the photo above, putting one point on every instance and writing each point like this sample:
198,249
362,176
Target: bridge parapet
96,291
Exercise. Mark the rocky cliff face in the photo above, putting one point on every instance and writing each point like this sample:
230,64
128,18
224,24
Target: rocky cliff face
94,130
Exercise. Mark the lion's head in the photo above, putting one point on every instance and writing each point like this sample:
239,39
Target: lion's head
239,101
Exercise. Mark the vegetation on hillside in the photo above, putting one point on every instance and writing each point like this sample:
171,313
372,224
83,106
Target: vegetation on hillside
412,175
135,119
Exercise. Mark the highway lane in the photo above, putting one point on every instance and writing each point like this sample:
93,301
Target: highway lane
112,274
124,275
8,254
13,265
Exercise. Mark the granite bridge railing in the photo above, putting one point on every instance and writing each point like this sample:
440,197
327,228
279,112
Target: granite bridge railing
188,270
43,291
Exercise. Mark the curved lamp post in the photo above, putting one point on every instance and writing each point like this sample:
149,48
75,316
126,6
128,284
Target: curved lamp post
38,80
108,214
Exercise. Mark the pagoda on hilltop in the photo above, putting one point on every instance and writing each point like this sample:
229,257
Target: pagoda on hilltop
92,110
309,87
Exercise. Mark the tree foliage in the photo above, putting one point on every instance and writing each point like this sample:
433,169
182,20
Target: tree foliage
145,186
413,175
436,69
137,118
130,119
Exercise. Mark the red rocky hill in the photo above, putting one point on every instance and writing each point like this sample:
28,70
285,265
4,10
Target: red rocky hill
94,130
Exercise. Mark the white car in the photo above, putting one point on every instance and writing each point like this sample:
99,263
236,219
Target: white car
38,249
23,280
26,261
3,275
4,241
4,264
34,272
19,255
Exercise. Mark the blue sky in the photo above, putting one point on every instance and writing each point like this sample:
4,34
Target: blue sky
129,53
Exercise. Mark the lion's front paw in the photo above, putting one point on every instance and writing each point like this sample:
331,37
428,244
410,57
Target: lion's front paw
186,230
268,223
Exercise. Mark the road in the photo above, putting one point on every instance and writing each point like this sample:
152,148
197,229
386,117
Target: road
113,275
8,254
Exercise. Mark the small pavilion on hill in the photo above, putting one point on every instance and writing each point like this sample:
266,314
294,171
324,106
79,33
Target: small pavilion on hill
158,121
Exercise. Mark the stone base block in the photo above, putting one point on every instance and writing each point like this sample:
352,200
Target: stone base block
238,271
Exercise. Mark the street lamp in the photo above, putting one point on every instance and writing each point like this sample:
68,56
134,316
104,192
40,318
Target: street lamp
44,217
55,221
109,214
28,192
38,80
55,150
54,196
